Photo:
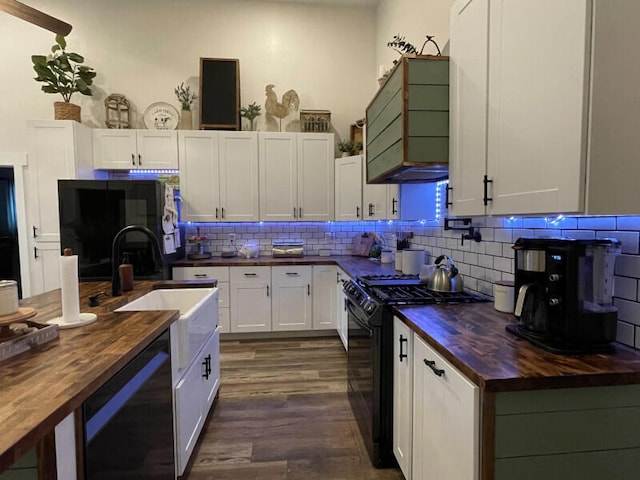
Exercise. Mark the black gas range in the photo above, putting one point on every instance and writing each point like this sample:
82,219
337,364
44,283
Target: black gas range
369,302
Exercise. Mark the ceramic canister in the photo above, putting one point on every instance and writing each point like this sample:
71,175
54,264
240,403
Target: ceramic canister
412,261
503,296
8,297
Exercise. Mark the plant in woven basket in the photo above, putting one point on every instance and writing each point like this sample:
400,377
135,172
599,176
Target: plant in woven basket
62,72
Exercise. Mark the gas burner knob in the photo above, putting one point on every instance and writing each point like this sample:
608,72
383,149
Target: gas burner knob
554,302
369,307
554,277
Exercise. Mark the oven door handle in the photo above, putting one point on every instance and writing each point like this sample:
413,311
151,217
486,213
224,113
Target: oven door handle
360,323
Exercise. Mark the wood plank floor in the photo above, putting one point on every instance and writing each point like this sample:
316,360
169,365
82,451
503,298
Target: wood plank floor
283,414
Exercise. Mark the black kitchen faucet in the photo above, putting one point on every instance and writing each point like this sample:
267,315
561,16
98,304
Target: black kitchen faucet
115,253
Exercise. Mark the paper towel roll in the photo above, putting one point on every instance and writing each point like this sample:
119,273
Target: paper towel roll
70,291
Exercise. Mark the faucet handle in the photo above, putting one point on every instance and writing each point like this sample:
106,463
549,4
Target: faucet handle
93,299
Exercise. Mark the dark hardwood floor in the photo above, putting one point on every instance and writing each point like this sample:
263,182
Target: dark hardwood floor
283,413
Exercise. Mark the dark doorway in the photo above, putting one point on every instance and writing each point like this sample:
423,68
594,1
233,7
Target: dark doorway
9,253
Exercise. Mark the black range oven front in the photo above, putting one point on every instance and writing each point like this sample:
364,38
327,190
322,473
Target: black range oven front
370,302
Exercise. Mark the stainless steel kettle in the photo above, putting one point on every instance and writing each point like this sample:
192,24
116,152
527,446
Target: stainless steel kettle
445,277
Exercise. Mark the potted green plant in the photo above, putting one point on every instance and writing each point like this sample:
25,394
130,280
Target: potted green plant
62,72
250,112
186,97
349,147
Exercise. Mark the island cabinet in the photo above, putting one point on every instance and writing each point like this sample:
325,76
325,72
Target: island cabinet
121,149
446,419
296,176
218,176
403,396
58,149
542,120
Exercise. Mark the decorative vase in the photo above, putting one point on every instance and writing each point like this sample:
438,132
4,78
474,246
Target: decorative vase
186,120
346,154
66,111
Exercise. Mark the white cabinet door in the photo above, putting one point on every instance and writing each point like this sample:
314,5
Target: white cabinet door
315,177
211,376
445,419
291,301
57,150
239,198
190,416
342,315
537,115
118,149
402,395
277,154
468,105
348,188
324,297
374,201
250,292
199,172
157,149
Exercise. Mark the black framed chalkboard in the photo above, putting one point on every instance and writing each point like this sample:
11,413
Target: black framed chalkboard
220,93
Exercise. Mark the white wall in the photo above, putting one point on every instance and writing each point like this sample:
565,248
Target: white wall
144,48
414,20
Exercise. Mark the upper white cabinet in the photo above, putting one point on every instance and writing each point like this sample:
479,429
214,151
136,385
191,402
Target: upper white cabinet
541,105
58,149
296,176
380,202
348,188
219,176
118,149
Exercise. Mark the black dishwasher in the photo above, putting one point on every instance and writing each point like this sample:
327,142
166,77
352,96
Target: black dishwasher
128,422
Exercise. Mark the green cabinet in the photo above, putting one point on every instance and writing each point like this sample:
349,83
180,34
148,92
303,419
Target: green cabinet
408,123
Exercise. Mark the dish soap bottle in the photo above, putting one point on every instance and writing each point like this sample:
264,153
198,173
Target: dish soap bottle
126,273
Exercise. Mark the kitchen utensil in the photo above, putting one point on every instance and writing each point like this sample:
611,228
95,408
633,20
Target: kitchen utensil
412,261
445,277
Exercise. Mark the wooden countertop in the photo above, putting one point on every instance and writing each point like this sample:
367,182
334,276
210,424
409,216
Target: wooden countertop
39,388
352,265
473,338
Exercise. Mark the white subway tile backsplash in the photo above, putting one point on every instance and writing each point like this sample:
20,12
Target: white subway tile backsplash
626,287
534,222
597,223
503,235
624,333
628,223
628,311
629,240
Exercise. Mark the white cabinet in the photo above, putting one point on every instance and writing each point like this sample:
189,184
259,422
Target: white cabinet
57,150
379,202
291,300
250,294
348,188
194,395
296,176
120,149
221,274
402,395
556,128
446,419
219,176
342,316
324,296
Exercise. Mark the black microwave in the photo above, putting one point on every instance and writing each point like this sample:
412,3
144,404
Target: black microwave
93,211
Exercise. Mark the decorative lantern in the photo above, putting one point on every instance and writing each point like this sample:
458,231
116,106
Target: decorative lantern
117,111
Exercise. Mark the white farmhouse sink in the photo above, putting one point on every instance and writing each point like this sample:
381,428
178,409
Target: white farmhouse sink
198,309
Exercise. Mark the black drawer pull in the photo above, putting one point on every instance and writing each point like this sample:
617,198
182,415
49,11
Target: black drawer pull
201,275
432,365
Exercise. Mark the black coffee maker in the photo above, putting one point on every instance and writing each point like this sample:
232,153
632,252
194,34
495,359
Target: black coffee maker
564,293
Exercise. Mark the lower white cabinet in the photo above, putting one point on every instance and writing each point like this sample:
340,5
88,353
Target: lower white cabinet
194,395
446,419
221,274
291,301
250,299
342,317
324,297
402,395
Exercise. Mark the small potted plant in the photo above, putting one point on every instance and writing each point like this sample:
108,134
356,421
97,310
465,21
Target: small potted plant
62,72
250,112
349,147
186,97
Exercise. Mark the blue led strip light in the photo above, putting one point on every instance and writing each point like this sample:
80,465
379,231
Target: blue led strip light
113,406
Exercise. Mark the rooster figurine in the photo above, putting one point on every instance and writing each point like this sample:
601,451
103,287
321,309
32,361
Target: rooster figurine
290,101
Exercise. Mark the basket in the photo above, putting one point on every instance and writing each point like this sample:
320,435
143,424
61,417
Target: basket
315,120
66,111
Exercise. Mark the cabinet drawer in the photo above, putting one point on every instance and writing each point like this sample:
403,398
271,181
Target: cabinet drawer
294,274
198,273
250,274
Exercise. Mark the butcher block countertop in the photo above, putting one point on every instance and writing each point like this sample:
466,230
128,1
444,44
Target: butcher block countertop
39,388
473,338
